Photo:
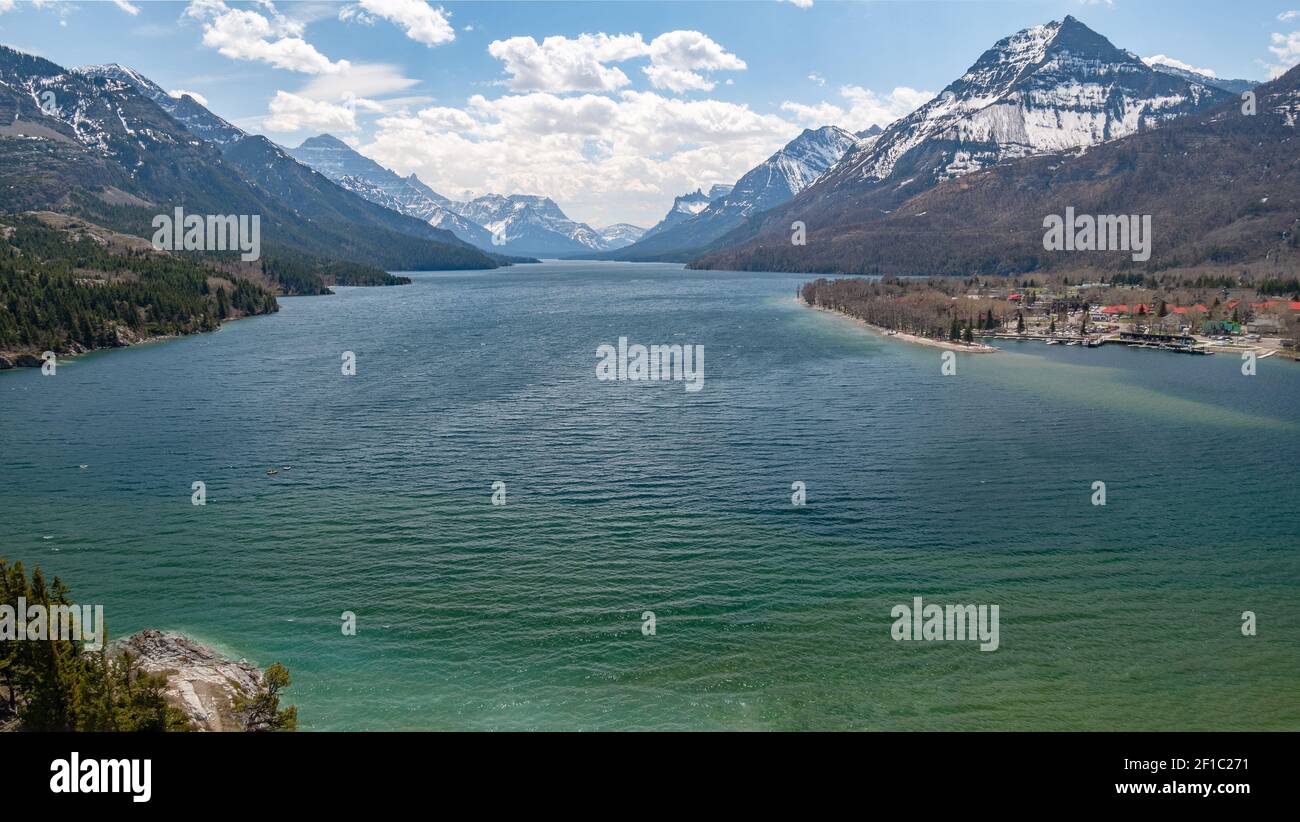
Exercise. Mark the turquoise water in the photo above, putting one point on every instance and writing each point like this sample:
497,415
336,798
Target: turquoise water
627,497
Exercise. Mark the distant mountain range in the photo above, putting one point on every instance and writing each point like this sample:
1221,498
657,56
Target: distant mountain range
695,222
687,206
1230,86
406,195
620,235
1055,90
110,146
1048,102
517,224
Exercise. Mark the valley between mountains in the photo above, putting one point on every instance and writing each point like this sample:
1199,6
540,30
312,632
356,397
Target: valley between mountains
1049,117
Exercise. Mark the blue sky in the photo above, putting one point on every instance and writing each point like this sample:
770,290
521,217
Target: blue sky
657,99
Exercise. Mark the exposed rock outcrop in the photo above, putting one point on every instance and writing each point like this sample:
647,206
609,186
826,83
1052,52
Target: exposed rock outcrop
200,681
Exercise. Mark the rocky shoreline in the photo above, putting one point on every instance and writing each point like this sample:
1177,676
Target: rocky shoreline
123,338
200,682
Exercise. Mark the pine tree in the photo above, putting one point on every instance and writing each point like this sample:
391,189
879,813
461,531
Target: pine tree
58,685
262,710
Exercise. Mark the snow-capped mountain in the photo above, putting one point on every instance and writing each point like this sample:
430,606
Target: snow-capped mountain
98,140
775,181
1223,188
787,172
337,160
406,195
684,207
518,224
1059,89
1231,86
530,224
185,109
620,235
284,172
1048,88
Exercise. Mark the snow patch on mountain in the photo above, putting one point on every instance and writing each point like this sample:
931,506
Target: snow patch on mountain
1047,88
620,235
530,224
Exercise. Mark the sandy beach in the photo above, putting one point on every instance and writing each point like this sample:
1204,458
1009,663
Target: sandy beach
969,348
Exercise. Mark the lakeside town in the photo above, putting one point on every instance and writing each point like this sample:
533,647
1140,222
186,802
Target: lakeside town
1204,315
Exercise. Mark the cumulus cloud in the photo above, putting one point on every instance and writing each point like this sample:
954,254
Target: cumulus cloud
421,22
561,64
678,57
803,4
1286,48
180,92
244,34
605,159
861,108
1166,60
290,112
6,5
567,64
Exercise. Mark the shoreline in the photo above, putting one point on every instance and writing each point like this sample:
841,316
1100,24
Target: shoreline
201,681
15,361
947,345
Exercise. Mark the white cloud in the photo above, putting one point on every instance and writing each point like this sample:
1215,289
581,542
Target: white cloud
6,5
677,57
676,79
129,8
559,64
1286,48
604,159
1288,15
803,4
62,8
567,64
354,14
357,80
1166,60
180,92
289,113
243,34
862,108
422,22
817,78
